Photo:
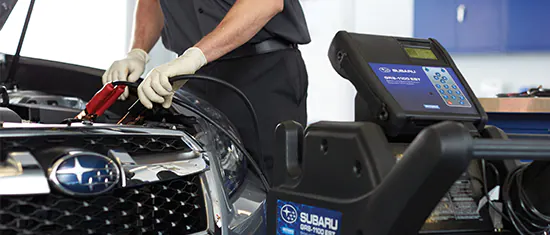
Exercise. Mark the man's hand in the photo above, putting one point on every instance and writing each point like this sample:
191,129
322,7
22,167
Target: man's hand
127,69
157,88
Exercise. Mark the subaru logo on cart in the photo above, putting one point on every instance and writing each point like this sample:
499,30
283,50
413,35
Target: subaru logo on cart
384,69
84,174
289,214
295,219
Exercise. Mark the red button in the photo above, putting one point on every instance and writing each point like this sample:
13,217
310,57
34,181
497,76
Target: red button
449,102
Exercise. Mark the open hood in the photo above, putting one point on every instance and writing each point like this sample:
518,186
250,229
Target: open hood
6,6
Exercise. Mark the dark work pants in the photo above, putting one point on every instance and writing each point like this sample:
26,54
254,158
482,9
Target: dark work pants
275,83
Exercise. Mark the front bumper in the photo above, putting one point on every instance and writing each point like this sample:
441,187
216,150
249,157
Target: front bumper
162,188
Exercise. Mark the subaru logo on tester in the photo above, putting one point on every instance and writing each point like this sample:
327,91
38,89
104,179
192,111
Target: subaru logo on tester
403,71
299,219
384,69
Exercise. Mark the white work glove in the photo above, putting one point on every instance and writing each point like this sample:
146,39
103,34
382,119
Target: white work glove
157,88
127,69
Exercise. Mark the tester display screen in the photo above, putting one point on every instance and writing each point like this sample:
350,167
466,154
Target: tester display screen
420,53
425,88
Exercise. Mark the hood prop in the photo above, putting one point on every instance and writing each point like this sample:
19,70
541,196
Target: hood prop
10,79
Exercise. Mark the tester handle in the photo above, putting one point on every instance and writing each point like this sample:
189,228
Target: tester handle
492,149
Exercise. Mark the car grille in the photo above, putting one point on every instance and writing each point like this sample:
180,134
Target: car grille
135,145
175,206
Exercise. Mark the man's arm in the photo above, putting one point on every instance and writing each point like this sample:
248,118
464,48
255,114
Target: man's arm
244,20
148,25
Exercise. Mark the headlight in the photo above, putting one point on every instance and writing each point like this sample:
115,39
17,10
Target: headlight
232,160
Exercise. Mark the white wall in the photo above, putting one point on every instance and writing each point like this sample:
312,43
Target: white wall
87,33
330,97
385,17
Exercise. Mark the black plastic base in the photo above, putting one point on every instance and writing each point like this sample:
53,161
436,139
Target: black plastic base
345,180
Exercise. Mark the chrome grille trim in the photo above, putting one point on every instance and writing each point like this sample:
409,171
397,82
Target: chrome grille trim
150,172
22,175
33,177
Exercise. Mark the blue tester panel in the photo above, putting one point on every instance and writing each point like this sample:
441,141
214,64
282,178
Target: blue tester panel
299,219
425,89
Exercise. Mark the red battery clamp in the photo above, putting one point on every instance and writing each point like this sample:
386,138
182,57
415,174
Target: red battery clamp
101,101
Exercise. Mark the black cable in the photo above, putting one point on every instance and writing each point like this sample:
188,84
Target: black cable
15,61
486,190
241,95
518,220
495,170
526,202
232,137
506,187
125,83
528,207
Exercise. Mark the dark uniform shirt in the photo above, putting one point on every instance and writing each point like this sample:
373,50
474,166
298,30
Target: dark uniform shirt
187,21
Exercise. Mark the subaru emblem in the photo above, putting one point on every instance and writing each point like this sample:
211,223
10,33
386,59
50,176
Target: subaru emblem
384,69
84,174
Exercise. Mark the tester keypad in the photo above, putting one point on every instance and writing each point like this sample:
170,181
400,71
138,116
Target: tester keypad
446,86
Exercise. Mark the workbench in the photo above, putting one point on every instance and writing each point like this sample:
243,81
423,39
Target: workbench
529,116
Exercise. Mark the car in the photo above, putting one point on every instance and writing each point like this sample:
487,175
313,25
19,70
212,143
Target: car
181,170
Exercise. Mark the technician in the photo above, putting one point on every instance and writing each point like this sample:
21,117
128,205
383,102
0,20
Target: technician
251,44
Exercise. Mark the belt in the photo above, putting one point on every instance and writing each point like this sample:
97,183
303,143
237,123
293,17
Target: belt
266,46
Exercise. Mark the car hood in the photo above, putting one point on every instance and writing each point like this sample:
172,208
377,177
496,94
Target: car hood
6,6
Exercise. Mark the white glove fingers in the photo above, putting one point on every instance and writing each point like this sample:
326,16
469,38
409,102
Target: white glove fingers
157,85
152,95
122,75
143,98
111,77
108,76
168,101
104,77
165,82
134,75
127,69
148,89
119,75
125,94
